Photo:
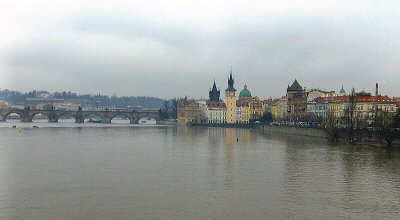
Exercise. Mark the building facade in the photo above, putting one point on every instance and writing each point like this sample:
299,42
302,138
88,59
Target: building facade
216,112
279,109
297,103
189,111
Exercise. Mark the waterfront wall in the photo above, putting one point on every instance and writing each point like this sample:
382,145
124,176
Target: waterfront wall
361,136
308,132
226,125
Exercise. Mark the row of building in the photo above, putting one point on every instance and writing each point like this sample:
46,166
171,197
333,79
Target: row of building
297,106
317,106
243,109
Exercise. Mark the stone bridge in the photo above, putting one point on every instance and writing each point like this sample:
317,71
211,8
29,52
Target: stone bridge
79,116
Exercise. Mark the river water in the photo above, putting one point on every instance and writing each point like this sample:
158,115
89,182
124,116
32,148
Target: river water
97,171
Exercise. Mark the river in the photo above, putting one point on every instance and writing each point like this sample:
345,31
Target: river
122,171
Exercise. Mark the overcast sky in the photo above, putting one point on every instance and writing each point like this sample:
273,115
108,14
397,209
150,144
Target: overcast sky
176,48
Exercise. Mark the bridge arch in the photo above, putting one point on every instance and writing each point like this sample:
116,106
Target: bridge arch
88,116
13,112
125,118
61,117
146,119
39,113
121,114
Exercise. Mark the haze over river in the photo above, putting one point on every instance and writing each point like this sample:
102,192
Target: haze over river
97,171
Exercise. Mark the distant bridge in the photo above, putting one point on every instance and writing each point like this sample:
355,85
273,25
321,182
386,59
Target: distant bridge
79,116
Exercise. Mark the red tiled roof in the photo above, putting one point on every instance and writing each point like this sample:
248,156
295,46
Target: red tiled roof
378,98
3,104
340,99
320,100
216,104
363,98
242,103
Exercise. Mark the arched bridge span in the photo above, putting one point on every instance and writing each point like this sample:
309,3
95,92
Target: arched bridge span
54,115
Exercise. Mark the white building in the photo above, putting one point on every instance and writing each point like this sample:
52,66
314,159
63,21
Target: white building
67,106
317,109
238,113
216,112
315,93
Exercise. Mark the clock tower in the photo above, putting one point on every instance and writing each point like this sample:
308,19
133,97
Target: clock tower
230,101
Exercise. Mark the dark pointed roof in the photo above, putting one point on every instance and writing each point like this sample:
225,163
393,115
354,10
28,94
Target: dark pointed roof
230,83
214,86
214,93
295,86
342,90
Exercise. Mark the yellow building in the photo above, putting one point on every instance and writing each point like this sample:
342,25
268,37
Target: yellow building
279,109
245,111
230,101
243,104
255,108
366,107
190,111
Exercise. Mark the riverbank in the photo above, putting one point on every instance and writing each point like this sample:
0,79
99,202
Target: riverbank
226,125
362,137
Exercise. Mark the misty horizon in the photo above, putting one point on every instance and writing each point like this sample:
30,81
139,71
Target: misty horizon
177,49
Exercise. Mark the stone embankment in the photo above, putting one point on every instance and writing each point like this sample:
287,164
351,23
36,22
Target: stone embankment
303,131
362,137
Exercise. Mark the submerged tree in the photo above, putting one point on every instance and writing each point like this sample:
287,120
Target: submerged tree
175,105
332,127
350,115
165,112
388,125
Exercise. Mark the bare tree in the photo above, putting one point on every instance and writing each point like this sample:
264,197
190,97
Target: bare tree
388,125
165,111
175,105
350,113
332,127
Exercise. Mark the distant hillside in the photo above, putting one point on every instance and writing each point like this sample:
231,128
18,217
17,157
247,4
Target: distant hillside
14,97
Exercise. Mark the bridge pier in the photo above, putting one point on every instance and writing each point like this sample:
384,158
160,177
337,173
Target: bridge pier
132,120
53,117
26,119
54,120
106,120
79,119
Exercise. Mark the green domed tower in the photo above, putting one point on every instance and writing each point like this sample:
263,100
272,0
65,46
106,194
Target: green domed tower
245,93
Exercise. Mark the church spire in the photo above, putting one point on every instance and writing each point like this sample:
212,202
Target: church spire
230,82
214,93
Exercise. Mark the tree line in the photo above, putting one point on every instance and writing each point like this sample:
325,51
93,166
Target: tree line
17,97
170,108
355,126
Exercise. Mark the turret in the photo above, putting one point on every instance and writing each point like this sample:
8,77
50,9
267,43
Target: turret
214,93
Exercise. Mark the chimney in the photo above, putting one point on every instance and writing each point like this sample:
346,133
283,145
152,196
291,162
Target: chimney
376,89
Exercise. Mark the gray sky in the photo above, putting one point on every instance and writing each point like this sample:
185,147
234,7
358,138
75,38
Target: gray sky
176,48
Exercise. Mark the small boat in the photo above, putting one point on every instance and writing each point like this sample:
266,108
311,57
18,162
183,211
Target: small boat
35,126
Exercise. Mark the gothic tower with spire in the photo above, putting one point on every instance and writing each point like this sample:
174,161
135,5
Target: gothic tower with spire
230,101
214,93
